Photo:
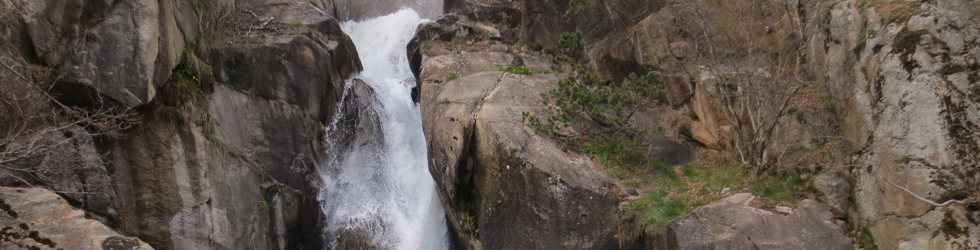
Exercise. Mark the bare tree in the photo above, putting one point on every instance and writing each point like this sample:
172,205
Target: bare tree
751,54
30,118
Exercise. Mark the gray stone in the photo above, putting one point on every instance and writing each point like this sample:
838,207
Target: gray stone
731,223
302,67
35,218
835,191
122,51
196,178
72,167
496,175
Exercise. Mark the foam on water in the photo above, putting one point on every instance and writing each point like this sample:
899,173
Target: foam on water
384,190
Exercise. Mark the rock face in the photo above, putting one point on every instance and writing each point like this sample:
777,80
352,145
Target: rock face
731,223
230,122
34,218
908,75
120,50
314,64
499,181
74,168
901,100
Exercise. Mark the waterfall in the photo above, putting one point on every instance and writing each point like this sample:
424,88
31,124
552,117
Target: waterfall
377,188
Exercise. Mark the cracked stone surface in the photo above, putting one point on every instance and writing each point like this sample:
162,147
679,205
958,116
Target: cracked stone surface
35,218
731,223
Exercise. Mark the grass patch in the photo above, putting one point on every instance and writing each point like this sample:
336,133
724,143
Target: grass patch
687,170
452,76
777,188
670,196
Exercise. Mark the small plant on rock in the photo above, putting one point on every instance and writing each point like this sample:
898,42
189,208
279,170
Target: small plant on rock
452,76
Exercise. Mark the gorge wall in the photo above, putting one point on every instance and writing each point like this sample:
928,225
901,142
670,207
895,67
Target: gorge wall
198,124
220,104
881,125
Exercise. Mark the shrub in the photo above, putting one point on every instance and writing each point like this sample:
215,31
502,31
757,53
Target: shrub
570,47
452,76
602,100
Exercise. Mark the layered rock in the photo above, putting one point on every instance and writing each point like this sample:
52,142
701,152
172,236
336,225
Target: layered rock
35,218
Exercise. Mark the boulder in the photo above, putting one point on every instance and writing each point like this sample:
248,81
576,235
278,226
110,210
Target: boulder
835,191
503,185
449,30
306,67
35,218
669,151
731,223
119,50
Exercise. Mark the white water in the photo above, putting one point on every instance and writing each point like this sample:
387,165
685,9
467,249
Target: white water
382,190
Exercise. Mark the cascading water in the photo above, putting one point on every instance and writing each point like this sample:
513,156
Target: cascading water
378,192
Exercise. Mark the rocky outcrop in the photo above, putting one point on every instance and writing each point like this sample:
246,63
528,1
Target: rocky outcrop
907,74
500,182
731,223
890,94
312,70
231,101
218,177
121,50
35,218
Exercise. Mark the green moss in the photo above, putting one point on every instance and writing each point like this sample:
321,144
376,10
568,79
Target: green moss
951,229
469,210
859,48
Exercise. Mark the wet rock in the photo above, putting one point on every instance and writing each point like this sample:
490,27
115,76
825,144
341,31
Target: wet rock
35,218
